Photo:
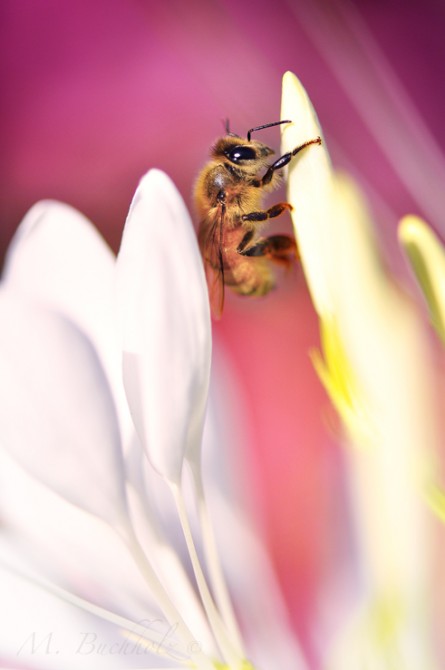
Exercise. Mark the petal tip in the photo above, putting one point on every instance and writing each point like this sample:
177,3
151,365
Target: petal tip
411,229
41,216
287,76
292,85
43,208
156,184
155,177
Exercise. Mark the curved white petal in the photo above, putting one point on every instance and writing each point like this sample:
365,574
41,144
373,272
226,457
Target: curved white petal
57,415
59,258
82,561
40,631
165,324
59,536
47,627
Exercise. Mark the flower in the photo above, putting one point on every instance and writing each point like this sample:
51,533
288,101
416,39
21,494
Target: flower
94,94
377,370
126,365
94,496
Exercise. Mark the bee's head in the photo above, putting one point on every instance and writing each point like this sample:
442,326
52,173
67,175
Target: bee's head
248,154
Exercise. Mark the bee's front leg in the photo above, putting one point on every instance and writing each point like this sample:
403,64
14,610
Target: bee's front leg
279,248
283,161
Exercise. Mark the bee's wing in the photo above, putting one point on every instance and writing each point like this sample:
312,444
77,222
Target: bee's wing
215,284
211,245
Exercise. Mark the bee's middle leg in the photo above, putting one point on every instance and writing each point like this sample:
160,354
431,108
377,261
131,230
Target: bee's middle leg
279,248
270,213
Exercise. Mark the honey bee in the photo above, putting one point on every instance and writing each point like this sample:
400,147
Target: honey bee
229,193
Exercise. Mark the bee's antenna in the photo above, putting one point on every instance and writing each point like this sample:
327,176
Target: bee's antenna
226,124
267,125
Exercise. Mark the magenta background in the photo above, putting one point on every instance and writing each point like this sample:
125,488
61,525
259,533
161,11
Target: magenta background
95,92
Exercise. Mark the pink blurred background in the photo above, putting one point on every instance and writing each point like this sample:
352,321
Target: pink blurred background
95,92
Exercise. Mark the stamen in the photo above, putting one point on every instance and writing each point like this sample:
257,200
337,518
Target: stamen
169,567
213,563
231,654
162,597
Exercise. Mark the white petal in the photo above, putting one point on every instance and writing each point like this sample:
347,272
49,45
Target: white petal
40,631
165,324
57,535
56,539
58,257
309,191
57,415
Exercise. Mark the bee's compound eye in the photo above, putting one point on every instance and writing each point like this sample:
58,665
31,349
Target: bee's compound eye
240,153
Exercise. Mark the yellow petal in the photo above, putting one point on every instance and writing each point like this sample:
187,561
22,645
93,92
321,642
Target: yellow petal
309,191
384,343
334,370
427,257
436,499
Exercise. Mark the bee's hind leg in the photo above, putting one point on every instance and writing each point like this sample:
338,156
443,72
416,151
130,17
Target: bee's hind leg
281,249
